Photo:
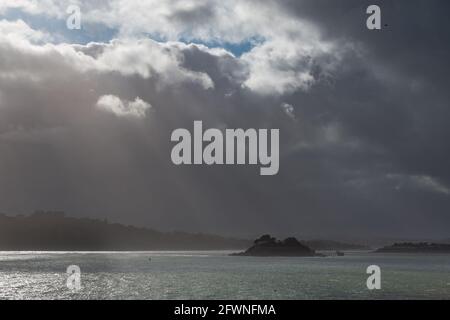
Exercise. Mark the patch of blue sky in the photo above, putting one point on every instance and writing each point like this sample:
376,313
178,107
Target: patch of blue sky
58,30
90,32
237,49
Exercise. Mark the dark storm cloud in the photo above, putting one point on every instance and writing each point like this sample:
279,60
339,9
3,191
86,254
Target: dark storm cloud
393,99
364,152
410,103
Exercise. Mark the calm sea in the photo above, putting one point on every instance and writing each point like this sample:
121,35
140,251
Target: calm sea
215,275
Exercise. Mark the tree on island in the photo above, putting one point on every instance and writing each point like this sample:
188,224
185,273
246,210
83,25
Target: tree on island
265,239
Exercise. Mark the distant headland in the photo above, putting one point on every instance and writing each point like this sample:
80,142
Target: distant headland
267,246
421,247
54,231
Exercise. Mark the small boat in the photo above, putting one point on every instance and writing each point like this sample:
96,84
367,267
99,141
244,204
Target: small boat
340,253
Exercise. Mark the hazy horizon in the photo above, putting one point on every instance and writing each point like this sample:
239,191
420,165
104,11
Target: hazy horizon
348,239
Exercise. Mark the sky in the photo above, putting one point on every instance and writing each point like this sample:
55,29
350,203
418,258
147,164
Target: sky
86,115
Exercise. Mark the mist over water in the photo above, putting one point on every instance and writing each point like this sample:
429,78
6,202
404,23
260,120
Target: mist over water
215,275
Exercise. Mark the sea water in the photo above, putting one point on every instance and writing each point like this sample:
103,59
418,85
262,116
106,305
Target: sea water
215,275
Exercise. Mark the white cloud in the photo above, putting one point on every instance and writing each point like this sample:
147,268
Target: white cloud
47,7
113,104
281,63
15,31
231,21
289,110
431,183
26,56
147,58
423,182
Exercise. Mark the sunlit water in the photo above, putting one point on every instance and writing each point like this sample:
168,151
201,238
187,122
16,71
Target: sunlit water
215,275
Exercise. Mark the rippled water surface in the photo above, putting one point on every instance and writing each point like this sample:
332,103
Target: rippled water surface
215,275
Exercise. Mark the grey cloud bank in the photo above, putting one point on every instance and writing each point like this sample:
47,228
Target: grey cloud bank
363,116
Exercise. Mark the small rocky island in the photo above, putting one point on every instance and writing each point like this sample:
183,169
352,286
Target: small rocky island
267,246
421,247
